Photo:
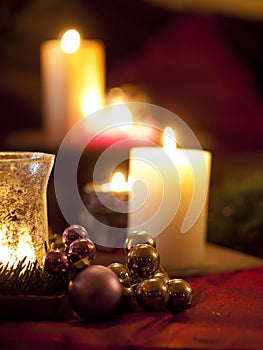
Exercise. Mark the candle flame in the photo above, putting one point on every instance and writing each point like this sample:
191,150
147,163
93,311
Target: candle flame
118,183
118,178
169,140
70,41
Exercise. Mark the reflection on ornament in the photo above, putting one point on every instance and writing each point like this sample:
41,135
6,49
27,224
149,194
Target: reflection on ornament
152,294
95,292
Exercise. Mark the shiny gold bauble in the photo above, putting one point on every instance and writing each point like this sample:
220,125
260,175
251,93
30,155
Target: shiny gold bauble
152,294
181,295
143,260
138,237
121,271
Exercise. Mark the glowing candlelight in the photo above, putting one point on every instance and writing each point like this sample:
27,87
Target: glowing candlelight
23,217
70,41
73,81
117,184
13,252
174,209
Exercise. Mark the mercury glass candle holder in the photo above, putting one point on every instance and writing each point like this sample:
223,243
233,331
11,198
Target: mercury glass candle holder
23,211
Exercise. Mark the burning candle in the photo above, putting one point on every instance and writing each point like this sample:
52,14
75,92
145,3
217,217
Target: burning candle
73,81
117,184
170,197
120,121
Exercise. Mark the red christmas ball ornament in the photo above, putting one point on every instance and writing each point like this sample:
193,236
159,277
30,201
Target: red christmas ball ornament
82,248
56,261
95,292
73,233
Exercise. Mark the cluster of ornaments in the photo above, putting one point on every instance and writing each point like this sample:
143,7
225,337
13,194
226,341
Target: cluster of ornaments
79,251
95,290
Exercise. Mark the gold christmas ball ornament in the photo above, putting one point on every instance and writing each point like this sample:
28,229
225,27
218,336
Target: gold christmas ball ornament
143,260
181,295
138,237
152,294
121,271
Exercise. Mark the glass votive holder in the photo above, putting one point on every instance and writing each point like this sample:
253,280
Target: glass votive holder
23,213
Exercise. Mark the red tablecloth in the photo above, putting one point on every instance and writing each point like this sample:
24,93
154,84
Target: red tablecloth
227,313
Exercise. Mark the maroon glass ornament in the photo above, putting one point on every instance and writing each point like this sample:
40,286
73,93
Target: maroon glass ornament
73,233
56,261
82,248
95,292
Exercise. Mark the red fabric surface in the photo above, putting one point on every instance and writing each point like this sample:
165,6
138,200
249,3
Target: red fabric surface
226,314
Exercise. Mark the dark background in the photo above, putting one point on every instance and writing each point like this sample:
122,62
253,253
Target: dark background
204,64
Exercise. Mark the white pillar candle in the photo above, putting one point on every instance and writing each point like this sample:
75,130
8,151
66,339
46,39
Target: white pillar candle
73,83
169,200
